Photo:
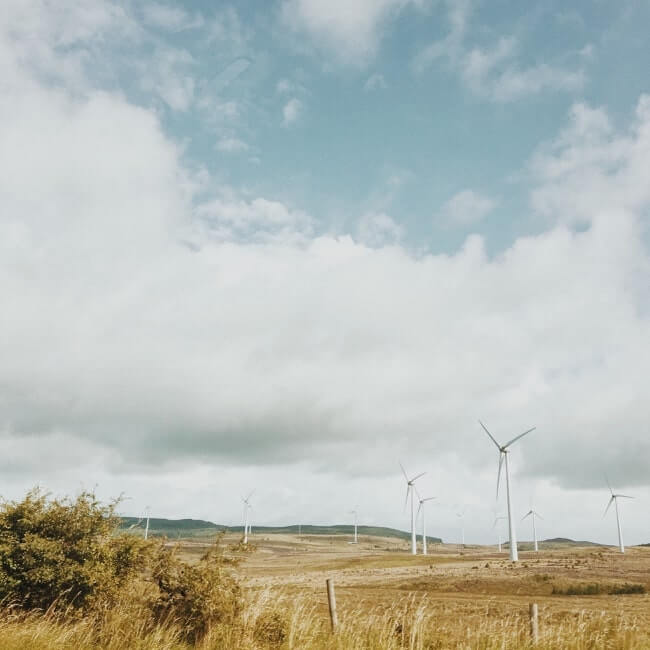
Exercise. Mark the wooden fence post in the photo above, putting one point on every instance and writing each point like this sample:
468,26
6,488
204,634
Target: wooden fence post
331,599
534,629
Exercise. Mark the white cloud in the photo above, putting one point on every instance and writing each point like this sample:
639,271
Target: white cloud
349,31
291,111
300,361
379,229
375,81
170,17
495,72
467,208
231,145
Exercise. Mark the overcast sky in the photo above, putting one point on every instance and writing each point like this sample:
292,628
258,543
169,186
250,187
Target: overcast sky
285,245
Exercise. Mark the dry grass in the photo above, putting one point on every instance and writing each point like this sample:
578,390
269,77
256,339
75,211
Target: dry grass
387,601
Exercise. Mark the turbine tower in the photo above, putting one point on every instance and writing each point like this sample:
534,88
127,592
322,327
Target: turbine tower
354,512
424,520
410,487
146,528
614,498
247,507
503,453
532,513
496,521
461,516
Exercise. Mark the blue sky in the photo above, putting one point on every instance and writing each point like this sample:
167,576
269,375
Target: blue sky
378,125
283,244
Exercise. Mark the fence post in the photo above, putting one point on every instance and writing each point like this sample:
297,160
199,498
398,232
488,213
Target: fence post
331,599
534,629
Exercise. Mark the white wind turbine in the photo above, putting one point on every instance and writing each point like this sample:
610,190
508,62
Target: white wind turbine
614,498
461,516
146,528
354,512
424,520
503,453
532,513
496,522
410,487
247,507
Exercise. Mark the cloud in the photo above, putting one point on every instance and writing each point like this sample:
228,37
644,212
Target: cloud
349,31
169,338
375,81
291,111
467,208
231,145
495,72
378,229
170,18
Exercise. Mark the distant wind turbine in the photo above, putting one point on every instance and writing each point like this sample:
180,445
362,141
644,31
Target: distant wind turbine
461,516
424,520
532,513
503,453
614,499
247,507
496,521
410,487
146,528
354,512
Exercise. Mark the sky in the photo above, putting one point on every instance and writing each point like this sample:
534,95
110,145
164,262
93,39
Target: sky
282,245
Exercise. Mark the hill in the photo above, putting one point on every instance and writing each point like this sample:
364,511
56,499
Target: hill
199,527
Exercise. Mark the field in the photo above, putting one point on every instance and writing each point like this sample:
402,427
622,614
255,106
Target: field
470,597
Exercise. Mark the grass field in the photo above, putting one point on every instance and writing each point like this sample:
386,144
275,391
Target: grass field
471,598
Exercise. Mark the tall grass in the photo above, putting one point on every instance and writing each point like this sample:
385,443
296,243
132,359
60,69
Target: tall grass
272,620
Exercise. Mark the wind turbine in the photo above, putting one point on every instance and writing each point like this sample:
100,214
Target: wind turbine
533,514
410,487
247,507
354,512
146,528
496,521
614,499
461,516
424,520
503,453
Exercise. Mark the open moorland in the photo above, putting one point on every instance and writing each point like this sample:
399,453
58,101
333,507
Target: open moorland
473,597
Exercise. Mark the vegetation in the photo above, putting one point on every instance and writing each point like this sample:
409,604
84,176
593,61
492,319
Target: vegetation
70,578
598,588
66,558
198,528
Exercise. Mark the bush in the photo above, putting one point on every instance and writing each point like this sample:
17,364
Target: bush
64,551
67,554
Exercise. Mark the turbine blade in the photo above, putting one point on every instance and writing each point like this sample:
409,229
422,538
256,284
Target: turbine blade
521,435
403,471
415,478
499,473
491,436
608,485
608,505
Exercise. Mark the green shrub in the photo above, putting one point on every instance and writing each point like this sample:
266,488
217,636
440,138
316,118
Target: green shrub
64,550
66,555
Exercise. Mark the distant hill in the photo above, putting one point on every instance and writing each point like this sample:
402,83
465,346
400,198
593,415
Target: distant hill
199,527
565,541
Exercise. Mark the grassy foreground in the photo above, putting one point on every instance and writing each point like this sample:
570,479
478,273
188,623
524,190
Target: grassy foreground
272,620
